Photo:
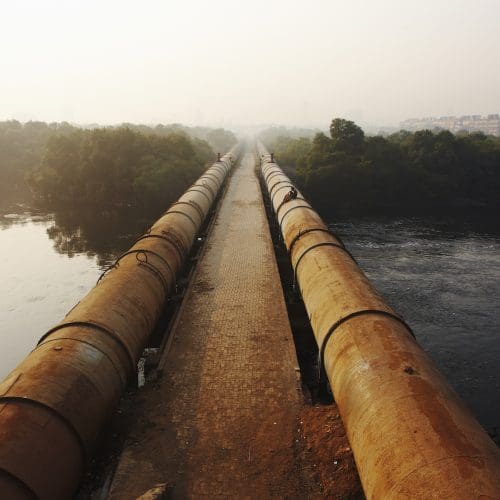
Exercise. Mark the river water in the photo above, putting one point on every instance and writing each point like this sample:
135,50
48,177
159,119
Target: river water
442,275
48,262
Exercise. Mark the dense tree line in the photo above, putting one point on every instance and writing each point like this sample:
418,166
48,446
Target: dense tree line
59,161
424,170
219,139
276,131
118,167
21,150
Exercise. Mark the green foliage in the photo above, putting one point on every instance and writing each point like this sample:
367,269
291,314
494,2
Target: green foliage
321,152
291,151
118,167
272,134
21,149
221,140
405,171
346,136
291,145
60,162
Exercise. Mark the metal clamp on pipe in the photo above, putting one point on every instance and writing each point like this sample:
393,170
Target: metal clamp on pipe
191,204
355,314
305,207
311,230
333,244
199,191
170,238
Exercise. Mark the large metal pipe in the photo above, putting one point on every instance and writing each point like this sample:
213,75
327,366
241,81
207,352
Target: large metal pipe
411,435
55,403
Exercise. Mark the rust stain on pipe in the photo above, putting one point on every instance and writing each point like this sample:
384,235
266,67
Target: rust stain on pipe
411,435
54,404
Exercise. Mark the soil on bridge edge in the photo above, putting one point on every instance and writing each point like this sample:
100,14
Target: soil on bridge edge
324,449
324,460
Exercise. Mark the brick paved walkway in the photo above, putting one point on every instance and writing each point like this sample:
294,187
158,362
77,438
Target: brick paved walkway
221,421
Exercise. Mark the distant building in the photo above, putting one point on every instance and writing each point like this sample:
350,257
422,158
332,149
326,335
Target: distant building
489,124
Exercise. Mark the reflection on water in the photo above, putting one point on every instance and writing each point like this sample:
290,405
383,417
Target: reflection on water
38,287
102,234
443,276
48,262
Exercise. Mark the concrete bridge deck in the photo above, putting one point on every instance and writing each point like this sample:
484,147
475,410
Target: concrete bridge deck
222,420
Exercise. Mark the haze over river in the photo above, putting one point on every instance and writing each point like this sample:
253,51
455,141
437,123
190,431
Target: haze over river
441,275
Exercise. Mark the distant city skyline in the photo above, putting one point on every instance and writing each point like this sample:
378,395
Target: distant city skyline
231,64
489,124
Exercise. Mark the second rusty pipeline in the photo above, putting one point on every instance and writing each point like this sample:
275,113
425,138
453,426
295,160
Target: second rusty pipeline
55,403
411,435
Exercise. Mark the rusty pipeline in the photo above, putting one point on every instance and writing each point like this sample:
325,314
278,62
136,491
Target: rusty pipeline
411,435
55,403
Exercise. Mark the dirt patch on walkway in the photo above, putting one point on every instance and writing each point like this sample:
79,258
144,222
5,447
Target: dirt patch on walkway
325,451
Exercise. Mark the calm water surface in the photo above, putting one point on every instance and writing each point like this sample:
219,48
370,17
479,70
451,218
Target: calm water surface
38,287
442,275
48,262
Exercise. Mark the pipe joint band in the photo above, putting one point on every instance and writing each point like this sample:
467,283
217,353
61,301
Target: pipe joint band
85,454
185,215
283,203
323,244
169,237
206,186
271,189
145,252
191,204
96,326
269,169
221,170
312,230
220,165
200,191
212,176
104,353
144,262
289,185
289,210
156,272
341,321
272,174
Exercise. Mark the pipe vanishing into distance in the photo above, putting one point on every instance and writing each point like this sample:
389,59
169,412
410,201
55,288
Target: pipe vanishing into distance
411,435
55,403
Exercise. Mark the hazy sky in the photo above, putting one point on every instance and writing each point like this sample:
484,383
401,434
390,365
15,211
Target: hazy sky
222,62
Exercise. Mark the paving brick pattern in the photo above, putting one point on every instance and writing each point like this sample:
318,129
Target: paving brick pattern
221,421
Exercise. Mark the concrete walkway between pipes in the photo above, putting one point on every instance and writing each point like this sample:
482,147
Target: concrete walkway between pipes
221,421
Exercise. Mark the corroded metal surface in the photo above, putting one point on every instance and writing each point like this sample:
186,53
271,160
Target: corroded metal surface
54,404
411,435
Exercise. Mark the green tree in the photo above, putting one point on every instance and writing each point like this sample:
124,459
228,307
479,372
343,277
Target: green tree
119,167
347,136
321,152
221,140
